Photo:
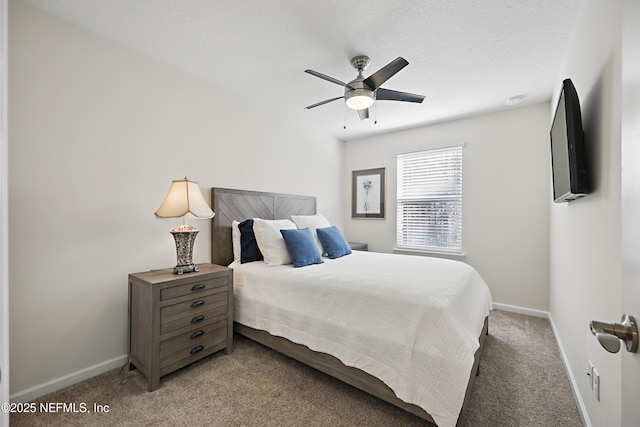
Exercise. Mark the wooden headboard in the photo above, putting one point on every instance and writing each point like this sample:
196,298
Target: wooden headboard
239,205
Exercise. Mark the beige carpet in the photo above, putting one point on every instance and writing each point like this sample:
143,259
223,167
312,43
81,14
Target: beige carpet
522,382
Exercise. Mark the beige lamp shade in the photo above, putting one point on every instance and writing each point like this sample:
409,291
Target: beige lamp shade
184,200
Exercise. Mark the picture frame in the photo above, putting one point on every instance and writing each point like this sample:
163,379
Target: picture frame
368,193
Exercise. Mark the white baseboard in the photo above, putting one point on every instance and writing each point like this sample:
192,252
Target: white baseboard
572,379
67,380
521,310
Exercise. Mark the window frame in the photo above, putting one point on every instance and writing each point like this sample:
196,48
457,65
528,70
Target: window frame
432,199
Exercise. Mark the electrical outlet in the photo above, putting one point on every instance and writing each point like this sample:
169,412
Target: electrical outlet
596,384
590,375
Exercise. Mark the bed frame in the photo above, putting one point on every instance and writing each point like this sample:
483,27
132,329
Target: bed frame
230,205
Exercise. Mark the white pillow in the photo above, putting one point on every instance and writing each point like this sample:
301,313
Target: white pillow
313,222
270,240
235,238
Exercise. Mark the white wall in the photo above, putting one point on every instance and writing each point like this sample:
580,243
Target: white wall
97,134
506,181
585,269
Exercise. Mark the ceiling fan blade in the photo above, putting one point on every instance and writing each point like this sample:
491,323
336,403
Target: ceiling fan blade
364,114
326,101
394,95
327,78
375,80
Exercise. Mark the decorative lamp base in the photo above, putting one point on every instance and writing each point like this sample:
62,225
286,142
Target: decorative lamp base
185,237
181,269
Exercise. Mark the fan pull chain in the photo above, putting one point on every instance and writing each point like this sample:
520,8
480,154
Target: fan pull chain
344,117
375,114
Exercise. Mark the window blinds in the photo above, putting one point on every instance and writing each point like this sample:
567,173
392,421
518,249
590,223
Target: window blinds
430,200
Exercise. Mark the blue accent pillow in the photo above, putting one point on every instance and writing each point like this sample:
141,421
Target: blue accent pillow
333,242
249,250
302,247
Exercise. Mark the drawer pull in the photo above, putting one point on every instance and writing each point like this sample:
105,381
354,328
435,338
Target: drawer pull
198,287
197,303
197,319
197,334
197,349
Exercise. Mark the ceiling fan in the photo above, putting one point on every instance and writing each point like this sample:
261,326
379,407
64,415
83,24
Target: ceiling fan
360,93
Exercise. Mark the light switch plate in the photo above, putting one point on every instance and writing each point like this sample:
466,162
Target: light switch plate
596,384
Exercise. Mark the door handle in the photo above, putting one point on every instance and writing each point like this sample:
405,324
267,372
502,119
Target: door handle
609,334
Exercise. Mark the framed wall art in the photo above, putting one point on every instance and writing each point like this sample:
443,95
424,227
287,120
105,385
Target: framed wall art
368,193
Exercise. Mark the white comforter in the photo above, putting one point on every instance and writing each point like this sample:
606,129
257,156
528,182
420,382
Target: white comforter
411,321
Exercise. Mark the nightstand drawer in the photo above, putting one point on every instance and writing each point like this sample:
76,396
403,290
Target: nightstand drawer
194,306
193,319
193,288
206,335
194,351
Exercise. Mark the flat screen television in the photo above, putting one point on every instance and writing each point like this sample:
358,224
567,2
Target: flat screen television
568,160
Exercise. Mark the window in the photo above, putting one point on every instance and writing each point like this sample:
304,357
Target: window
430,200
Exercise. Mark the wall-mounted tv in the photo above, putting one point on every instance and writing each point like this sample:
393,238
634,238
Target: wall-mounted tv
570,175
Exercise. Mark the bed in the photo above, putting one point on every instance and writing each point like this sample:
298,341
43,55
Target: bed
422,357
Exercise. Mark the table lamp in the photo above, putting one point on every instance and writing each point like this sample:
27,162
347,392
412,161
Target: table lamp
184,201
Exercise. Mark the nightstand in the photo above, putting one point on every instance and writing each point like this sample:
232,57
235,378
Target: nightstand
359,246
175,320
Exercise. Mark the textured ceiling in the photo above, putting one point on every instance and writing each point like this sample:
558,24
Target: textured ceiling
465,56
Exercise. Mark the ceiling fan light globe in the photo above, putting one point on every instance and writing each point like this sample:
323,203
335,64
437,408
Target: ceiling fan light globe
359,99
